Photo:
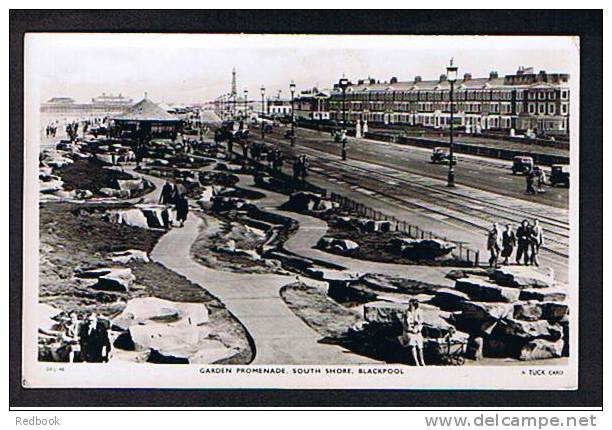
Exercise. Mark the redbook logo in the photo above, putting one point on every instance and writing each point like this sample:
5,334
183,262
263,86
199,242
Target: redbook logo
37,421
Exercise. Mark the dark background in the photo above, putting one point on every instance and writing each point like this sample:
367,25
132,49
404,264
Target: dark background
586,24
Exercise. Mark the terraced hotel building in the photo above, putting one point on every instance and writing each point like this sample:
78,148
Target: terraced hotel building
525,101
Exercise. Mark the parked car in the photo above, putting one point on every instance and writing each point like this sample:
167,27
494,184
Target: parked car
522,165
440,155
560,174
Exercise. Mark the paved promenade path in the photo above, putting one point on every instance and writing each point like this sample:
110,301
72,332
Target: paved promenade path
311,229
280,336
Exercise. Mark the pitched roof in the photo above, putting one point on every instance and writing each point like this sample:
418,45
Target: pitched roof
146,110
428,85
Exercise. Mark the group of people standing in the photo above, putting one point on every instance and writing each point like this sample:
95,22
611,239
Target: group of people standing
87,339
527,239
51,130
275,159
174,195
300,168
72,130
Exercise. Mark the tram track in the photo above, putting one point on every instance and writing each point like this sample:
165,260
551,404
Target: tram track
413,192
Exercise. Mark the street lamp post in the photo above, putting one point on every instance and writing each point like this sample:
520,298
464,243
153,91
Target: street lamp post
246,92
292,89
451,74
343,84
263,94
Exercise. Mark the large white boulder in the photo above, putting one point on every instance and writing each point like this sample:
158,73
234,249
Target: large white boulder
131,217
152,309
421,249
530,329
46,317
337,245
539,349
50,186
124,257
542,295
481,290
171,332
391,313
110,278
524,277
131,184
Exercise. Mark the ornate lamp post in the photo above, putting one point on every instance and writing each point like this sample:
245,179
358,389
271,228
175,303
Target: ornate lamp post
263,94
451,73
292,89
343,83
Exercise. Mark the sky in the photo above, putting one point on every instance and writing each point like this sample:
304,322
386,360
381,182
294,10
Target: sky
191,68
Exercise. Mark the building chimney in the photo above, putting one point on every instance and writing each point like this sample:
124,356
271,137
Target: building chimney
393,80
542,76
493,75
442,77
417,79
467,76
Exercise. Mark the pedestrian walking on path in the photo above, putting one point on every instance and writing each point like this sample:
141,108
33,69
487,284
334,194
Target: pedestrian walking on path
541,181
167,193
530,178
536,237
508,243
523,241
182,209
494,241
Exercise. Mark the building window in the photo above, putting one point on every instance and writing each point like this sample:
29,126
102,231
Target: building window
564,108
541,108
551,108
564,94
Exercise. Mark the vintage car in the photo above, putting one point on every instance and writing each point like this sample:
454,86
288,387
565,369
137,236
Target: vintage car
440,155
560,174
522,165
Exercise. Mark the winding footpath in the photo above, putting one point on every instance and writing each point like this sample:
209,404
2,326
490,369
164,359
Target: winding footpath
280,336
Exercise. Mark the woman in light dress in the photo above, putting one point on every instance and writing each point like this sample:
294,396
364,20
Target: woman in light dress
412,336
72,336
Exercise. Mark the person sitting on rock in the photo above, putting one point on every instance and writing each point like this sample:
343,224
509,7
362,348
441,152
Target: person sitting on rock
71,336
412,337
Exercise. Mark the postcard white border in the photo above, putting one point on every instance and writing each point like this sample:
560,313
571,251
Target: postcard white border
131,375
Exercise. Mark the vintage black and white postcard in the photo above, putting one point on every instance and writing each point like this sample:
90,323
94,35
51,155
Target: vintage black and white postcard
301,211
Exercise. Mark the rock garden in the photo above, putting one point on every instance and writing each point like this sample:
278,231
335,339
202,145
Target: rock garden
96,234
99,225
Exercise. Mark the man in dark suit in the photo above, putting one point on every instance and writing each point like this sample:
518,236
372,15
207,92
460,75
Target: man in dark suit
167,194
93,337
